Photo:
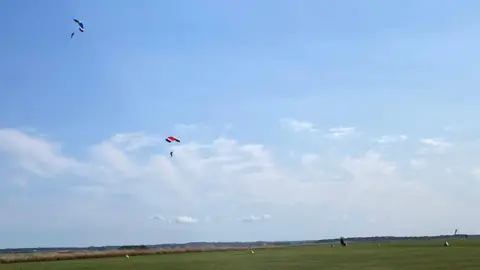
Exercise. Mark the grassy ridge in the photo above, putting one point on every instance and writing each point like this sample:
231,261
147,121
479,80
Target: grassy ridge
412,255
53,256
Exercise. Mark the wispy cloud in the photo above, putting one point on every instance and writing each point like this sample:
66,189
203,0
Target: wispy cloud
176,220
256,218
440,143
387,139
340,132
298,126
418,163
186,220
35,154
135,141
434,145
188,129
161,218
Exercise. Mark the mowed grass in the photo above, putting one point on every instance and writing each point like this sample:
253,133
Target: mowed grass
463,254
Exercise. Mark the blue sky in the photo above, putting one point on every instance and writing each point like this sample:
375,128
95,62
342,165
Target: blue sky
280,105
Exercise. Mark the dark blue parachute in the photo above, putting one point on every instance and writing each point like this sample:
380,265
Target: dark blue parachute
80,25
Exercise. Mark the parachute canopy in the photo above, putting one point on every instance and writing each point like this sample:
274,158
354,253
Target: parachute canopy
171,139
80,25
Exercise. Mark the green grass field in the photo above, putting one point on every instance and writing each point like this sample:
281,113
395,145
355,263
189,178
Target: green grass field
463,254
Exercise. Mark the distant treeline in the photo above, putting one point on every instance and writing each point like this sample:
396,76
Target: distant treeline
233,244
133,247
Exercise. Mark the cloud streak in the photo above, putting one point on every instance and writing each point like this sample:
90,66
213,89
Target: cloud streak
388,139
340,132
439,143
186,220
297,125
256,218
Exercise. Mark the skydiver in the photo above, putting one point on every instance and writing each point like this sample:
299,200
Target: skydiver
171,153
71,35
342,241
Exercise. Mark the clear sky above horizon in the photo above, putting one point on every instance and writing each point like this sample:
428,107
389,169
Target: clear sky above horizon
299,120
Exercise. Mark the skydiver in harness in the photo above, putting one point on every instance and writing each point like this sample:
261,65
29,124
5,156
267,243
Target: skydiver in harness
171,139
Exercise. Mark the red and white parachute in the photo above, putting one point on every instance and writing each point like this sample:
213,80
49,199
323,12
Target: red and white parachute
171,139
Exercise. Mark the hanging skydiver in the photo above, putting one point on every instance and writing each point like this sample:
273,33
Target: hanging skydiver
171,139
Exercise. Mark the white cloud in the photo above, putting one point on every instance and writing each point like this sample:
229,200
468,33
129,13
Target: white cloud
476,172
298,126
186,129
387,139
186,220
135,141
450,170
159,218
256,218
177,220
439,143
370,163
224,177
418,164
340,132
434,145
435,142
36,154
309,159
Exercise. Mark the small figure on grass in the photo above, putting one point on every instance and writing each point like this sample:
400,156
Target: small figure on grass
342,242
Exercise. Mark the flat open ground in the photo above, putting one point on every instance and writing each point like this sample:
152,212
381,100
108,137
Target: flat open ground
463,254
